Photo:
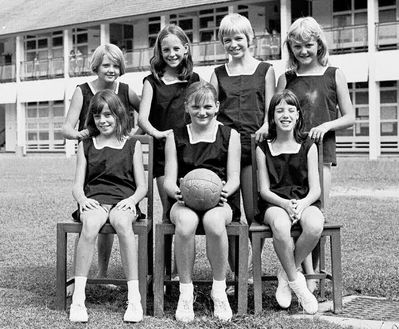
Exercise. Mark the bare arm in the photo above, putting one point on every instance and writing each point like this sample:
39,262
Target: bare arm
68,128
347,118
77,189
171,168
214,82
313,180
233,164
281,83
139,179
270,88
134,100
144,114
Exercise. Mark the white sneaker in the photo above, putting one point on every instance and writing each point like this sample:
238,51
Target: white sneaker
305,297
185,311
134,312
311,284
78,313
283,292
222,309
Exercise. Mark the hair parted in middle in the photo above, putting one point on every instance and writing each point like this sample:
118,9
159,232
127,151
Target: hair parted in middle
158,65
236,23
305,29
113,52
289,97
118,110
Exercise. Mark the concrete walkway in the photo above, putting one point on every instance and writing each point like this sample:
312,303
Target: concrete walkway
327,307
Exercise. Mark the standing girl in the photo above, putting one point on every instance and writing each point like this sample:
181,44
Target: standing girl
162,107
289,188
109,183
204,143
108,63
245,87
322,91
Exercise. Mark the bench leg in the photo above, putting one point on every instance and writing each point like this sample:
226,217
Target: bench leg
257,271
322,266
336,269
243,274
159,268
60,302
142,269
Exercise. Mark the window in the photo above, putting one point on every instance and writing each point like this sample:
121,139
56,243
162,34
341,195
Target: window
360,101
44,125
389,108
185,21
209,20
350,19
154,26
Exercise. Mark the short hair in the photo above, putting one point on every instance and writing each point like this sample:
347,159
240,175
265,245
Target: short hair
289,97
303,30
115,105
236,23
158,65
200,91
113,52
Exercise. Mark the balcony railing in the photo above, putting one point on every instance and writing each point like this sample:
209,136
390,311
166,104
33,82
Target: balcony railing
347,39
387,35
42,69
7,73
208,53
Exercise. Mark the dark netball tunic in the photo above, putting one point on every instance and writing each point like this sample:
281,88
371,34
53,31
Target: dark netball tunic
212,156
288,174
109,173
167,112
317,96
242,104
122,92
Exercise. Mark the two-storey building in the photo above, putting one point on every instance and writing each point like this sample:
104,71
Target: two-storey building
45,49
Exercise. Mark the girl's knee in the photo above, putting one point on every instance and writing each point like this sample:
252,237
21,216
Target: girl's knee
312,222
121,220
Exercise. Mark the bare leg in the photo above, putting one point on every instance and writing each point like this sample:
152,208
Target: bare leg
104,245
186,221
215,221
122,221
280,224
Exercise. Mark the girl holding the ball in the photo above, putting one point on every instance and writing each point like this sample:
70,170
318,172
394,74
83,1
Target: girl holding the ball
204,143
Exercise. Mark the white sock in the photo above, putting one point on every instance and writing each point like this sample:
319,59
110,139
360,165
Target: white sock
133,292
186,289
79,294
219,287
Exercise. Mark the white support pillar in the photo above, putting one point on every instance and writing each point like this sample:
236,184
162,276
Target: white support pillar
20,148
69,144
104,33
373,85
285,23
67,49
163,21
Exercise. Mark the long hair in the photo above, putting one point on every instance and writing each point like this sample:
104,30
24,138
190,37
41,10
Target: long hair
118,110
289,97
113,52
303,30
158,65
236,23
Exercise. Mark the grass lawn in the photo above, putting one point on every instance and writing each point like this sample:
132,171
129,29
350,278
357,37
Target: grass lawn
35,193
